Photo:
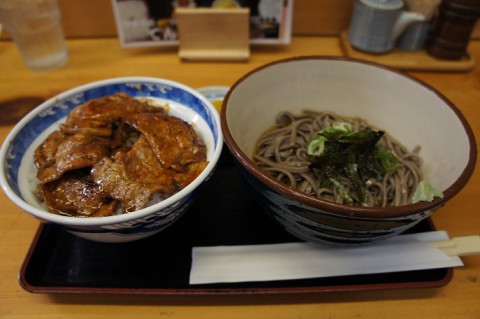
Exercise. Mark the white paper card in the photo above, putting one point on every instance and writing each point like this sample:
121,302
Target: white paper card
306,260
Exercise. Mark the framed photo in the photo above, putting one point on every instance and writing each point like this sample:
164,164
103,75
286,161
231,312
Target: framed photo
152,22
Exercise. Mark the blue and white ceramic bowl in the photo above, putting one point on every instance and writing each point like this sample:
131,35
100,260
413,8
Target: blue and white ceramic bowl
406,108
18,175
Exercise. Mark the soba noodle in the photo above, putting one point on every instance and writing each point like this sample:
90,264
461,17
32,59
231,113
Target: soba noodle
282,152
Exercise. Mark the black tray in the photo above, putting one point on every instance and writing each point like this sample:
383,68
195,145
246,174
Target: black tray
223,214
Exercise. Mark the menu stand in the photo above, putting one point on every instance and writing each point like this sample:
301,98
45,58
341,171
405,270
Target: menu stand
213,33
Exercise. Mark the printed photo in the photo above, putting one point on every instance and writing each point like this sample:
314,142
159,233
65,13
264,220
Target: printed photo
152,22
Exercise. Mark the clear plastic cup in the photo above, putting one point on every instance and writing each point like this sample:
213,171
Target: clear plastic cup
35,27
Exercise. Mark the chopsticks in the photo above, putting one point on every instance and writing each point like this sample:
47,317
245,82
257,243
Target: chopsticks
459,246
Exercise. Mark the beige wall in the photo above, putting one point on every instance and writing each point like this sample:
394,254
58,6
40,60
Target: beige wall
94,18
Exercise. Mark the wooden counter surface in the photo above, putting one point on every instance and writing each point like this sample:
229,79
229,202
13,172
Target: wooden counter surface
96,59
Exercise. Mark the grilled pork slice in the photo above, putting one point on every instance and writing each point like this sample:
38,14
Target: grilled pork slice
132,177
173,141
97,116
76,195
60,153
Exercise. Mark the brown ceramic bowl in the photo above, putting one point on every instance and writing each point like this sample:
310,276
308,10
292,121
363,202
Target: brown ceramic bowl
408,109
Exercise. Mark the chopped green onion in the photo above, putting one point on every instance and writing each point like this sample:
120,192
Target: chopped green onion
385,161
338,127
316,146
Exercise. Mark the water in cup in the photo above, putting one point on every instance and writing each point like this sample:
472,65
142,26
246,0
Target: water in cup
36,30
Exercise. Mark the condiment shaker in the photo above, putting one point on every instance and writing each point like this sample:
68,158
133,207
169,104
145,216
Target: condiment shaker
453,27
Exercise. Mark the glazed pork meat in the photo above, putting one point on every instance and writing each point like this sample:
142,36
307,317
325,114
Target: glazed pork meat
99,116
178,148
116,153
61,153
75,194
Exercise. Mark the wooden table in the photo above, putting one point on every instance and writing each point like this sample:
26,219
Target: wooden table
95,59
